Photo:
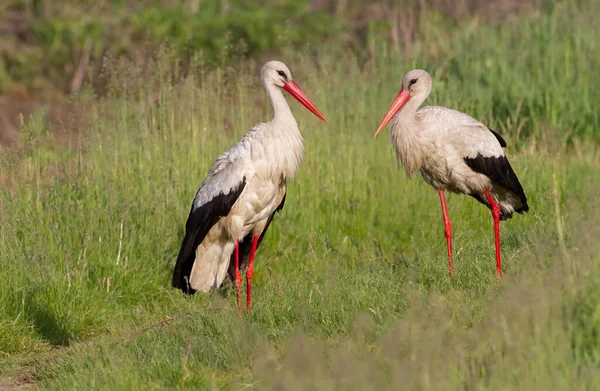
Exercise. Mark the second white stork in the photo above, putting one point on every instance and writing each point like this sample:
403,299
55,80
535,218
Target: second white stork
244,189
453,152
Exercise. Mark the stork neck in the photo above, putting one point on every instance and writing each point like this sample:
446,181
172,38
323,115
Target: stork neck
281,109
410,108
409,150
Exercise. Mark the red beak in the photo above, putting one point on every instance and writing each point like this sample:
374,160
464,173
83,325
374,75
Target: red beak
400,101
301,97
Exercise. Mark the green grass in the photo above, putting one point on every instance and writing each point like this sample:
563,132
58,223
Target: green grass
48,50
351,286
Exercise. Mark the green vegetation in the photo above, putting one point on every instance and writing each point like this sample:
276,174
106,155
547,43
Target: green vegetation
351,282
52,35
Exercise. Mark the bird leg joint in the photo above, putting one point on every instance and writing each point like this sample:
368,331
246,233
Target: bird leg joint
493,204
495,211
496,214
448,230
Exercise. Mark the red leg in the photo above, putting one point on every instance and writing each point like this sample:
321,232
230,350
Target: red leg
447,231
238,276
496,215
250,271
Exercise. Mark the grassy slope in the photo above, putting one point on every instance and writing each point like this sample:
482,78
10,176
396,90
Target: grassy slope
362,297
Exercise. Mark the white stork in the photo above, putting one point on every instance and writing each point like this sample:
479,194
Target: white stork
453,152
244,189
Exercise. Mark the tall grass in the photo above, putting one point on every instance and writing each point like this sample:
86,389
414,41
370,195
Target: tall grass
351,283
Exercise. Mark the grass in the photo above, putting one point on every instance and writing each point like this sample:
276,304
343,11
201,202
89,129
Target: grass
46,48
351,286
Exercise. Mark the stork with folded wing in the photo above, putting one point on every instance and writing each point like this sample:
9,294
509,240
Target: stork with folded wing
244,189
453,152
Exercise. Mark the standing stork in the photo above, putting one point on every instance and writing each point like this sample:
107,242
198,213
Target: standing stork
453,152
244,189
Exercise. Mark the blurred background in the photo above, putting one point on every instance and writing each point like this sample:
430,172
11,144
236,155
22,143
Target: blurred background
50,48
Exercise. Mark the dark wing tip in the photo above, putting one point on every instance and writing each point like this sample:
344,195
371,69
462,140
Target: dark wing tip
199,223
500,172
523,208
498,137
503,214
185,287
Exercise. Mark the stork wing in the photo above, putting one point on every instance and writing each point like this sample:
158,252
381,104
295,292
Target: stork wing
481,149
217,195
498,137
246,244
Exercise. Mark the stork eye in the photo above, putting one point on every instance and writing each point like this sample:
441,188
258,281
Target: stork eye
413,81
282,74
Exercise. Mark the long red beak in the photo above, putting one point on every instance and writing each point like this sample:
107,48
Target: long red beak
400,101
301,97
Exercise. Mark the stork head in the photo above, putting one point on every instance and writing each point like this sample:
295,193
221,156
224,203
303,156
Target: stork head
276,73
416,83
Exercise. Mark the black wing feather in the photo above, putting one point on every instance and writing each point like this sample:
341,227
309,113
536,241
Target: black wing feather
498,137
246,245
199,223
500,172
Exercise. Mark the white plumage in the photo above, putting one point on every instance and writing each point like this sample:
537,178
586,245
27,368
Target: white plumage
452,151
244,188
